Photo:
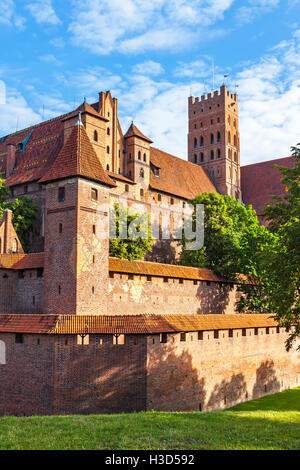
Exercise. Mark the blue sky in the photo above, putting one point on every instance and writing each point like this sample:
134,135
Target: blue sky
152,55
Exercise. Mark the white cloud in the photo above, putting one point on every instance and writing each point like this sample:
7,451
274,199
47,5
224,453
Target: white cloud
43,12
50,59
246,14
131,26
149,67
16,114
8,16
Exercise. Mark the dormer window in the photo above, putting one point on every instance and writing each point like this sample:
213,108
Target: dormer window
155,170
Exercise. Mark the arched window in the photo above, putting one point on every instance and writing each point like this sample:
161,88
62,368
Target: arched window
219,137
212,156
195,142
229,137
107,167
234,139
107,149
202,157
235,157
142,173
95,136
139,156
2,353
144,156
201,141
234,123
219,153
108,131
211,138
229,154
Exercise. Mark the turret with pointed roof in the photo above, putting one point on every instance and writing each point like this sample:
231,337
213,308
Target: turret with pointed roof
138,157
77,158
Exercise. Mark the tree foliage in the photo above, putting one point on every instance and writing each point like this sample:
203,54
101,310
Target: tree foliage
130,234
24,214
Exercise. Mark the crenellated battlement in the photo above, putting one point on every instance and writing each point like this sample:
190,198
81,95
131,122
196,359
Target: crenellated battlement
215,97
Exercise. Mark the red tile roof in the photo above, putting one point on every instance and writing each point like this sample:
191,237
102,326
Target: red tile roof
129,324
148,268
77,158
133,131
22,261
262,180
179,177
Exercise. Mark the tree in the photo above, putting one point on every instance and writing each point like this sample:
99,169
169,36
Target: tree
24,214
130,234
234,245
284,261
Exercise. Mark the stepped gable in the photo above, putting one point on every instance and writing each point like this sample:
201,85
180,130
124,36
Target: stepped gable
133,131
37,148
77,158
130,324
262,180
178,177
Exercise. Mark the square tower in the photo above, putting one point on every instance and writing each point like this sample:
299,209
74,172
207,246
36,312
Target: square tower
214,140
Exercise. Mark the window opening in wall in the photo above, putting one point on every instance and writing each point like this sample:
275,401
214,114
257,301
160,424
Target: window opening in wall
94,194
200,335
118,338
182,336
144,157
83,339
159,197
267,330
59,290
166,279
277,329
40,272
107,149
95,136
19,338
21,275
230,333
180,281
94,229
139,155
61,194
108,131
208,283
163,338
126,188
60,228
244,333
216,334
142,192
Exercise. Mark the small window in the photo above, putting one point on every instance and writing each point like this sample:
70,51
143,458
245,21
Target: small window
94,194
202,157
61,194
19,338
40,272
107,167
96,136
107,149
216,334
195,158
144,157
118,339
195,142
130,157
141,192
126,188
142,173
219,137
182,336
60,228
139,156
171,201
244,332
108,131
93,290
163,338
212,156
166,279
159,197
211,138
267,330
219,153
200,335
230,333
21,275
277,329
256,331
201,141
59,290
94,229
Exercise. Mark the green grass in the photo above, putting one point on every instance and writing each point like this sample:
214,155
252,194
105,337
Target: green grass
271,422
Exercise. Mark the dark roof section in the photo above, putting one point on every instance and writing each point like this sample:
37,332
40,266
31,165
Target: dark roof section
262,180
179,177
77,158
88,109
130,324
133,131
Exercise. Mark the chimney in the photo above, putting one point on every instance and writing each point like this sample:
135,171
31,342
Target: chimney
10,159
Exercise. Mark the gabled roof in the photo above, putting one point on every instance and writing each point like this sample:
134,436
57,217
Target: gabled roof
22,261
77,158
179,177
86,108
130,324
262,180
133,131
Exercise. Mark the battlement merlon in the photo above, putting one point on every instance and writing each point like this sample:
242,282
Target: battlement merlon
213,97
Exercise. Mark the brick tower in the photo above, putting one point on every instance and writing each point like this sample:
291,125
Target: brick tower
214,140
76,229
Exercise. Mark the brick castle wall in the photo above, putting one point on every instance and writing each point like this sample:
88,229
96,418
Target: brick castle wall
52,374
139,294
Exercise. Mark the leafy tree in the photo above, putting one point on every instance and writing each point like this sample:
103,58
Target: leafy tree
130,234
24,214
234,245
284,261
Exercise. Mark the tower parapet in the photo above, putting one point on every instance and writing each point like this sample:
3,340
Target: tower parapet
213,138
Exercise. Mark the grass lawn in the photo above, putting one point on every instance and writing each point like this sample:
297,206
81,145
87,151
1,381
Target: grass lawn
271,422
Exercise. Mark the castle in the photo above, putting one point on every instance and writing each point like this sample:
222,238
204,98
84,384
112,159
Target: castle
81,332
